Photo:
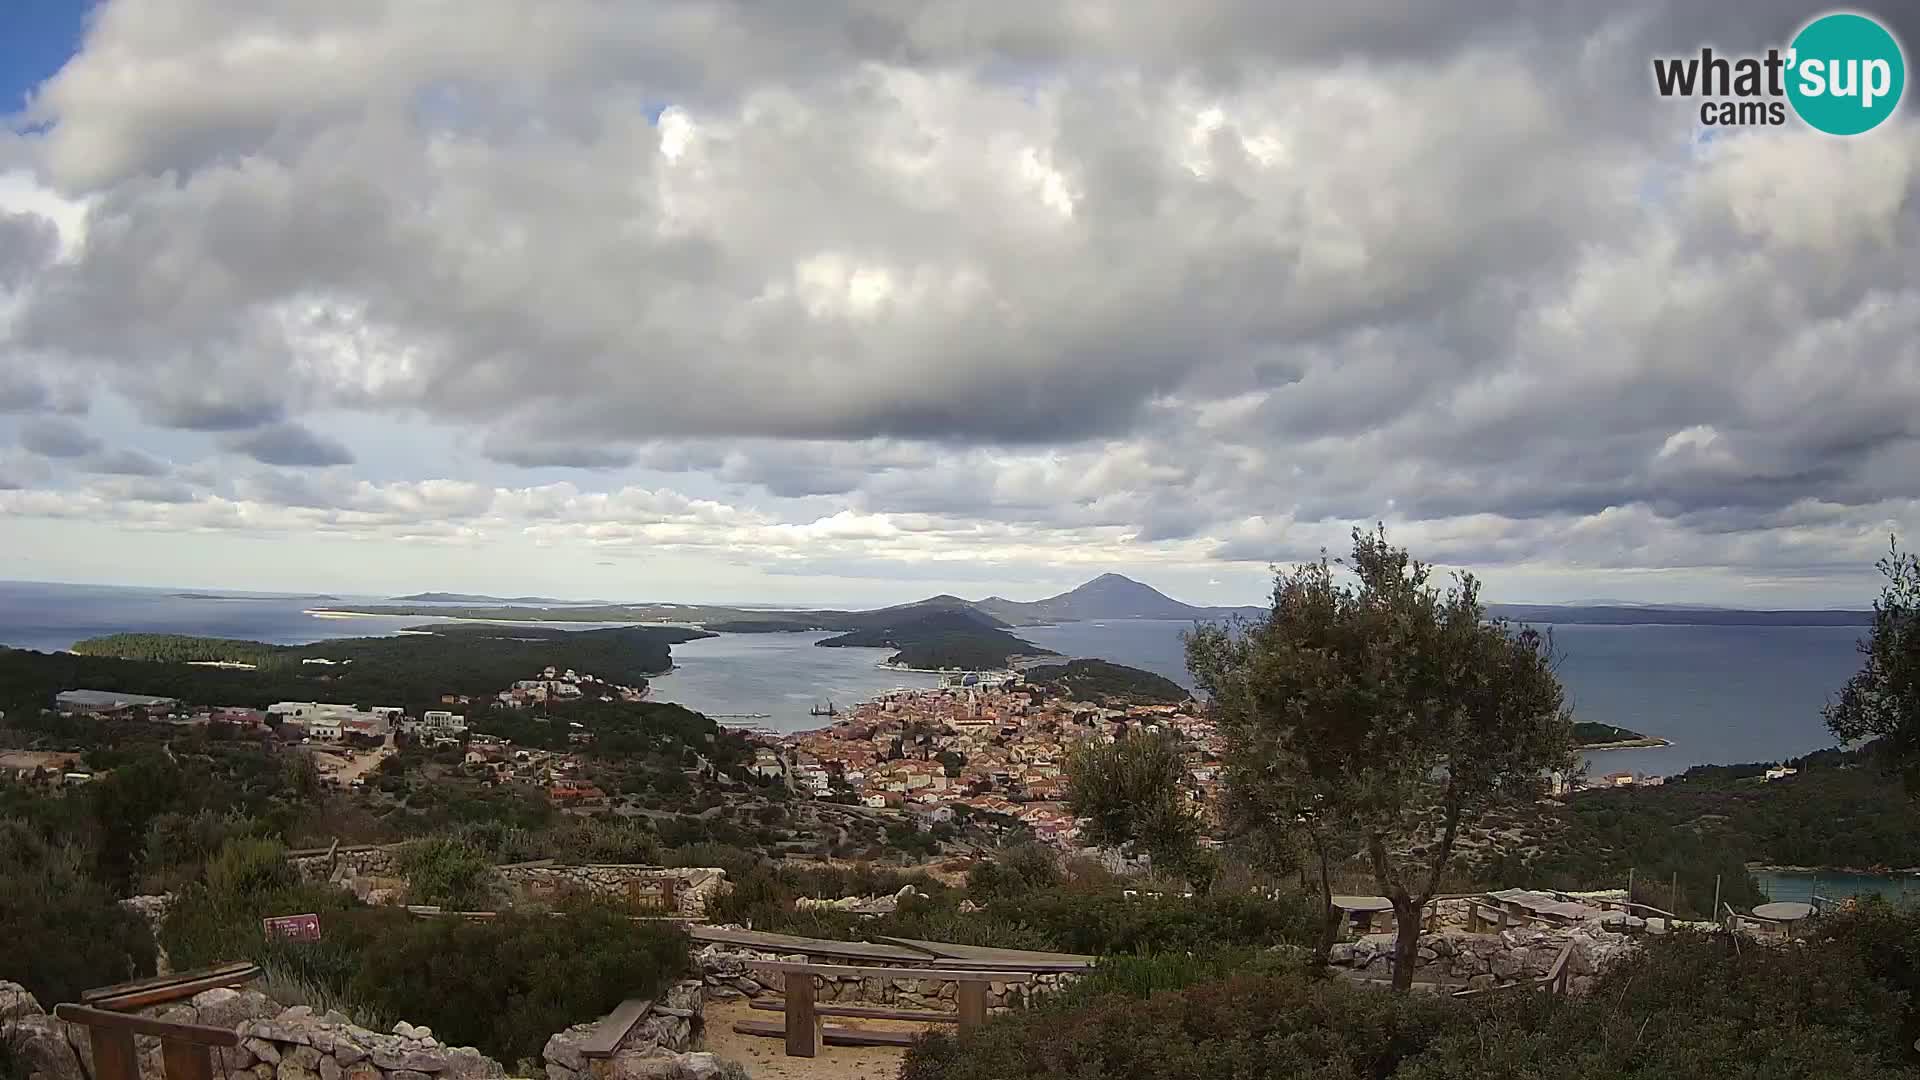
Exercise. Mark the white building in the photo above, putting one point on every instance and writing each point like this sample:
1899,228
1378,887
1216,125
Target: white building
324,720
442,722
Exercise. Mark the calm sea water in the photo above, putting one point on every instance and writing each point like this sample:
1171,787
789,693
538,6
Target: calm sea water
1720,693
1780,885
776,679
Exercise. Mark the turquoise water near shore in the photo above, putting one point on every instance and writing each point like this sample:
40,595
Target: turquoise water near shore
1795,886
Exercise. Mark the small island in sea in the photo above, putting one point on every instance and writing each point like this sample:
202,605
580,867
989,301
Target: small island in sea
941,639
1588,735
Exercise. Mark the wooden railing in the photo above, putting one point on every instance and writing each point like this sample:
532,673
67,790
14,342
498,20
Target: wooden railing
184,1048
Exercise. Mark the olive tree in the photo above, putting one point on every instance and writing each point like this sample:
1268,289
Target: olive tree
1882,700
1132,794
1382,710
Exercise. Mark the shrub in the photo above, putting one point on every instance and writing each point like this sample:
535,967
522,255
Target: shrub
247,868
505,985
1835,1005
449,872
63,931
1245,1025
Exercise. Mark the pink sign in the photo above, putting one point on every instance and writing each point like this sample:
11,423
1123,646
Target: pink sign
293,927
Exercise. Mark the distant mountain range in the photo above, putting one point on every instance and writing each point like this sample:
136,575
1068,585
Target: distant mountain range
1106,598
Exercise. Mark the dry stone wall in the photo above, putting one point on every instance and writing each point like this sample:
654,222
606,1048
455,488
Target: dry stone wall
1485,960
724,970
375,875
275,1043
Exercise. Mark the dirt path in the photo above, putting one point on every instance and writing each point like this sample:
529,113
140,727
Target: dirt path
364,762
766,1059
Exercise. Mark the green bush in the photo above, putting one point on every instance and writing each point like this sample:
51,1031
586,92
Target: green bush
1244,1026
449,872
1838,1004
247,868
61,931
505,985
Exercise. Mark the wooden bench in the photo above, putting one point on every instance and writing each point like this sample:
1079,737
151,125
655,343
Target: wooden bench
183,1047
830,1034
867,1012
607,1035
160,989
802,1027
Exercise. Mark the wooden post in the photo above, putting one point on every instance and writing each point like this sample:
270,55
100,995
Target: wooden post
800,1015
183,1060
669,899
973,1004
1714,911
113,1054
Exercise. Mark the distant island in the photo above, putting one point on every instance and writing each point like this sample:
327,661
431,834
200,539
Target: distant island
476,598
1100,680
939,639
1588,735
318,599
411,669
1107,597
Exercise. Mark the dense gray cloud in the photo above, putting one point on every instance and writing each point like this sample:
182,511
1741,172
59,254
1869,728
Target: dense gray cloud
289,444
995,281
57,438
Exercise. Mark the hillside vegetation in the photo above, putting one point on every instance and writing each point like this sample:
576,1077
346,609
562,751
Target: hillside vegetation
1099,680
407,669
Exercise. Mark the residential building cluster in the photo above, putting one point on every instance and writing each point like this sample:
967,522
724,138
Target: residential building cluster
554,684
991,748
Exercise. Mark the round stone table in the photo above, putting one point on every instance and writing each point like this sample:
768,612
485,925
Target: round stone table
1784,913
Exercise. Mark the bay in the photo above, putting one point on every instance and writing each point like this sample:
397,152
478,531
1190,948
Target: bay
1722,694
773,681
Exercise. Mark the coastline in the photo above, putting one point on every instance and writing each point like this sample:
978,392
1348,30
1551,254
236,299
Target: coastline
1857,871
1649,742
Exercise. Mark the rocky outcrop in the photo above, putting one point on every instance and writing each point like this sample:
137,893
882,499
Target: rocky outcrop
724,970
41,1047
656,1046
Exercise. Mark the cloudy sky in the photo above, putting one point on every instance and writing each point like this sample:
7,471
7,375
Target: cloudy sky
859,300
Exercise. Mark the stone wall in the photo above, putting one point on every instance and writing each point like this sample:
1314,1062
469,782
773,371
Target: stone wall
656,1045
1485,960
276,1043
373,873
693,886
724,970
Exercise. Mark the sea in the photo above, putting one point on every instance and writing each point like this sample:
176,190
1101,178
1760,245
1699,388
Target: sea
1720,694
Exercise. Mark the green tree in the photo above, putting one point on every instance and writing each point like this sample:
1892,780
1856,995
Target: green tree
1387,706
1882,700
1132,793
